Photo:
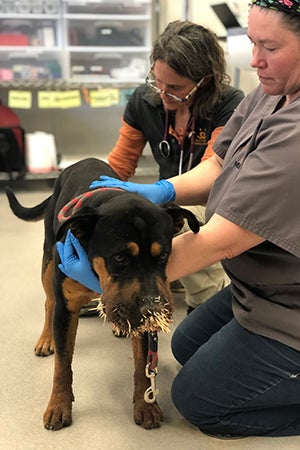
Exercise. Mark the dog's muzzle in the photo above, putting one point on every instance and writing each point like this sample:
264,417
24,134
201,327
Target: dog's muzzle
146,314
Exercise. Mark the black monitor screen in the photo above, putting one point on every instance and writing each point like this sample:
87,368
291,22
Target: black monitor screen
226,16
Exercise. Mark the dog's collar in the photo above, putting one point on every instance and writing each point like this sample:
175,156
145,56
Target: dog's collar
76,203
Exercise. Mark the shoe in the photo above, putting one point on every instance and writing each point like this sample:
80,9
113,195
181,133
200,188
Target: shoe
177,287
189,310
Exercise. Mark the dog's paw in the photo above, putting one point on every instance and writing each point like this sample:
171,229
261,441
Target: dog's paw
148,415
44,346
57,416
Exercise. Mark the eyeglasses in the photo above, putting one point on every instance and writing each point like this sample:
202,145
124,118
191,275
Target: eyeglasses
151,82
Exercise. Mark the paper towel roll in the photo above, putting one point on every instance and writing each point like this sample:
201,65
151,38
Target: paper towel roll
41,156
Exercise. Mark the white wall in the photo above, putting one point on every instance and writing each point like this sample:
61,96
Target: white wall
170,10
200,11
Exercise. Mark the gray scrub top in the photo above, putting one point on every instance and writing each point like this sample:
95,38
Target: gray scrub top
258,190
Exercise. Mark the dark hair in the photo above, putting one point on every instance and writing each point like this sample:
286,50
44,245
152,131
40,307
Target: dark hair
291,22
194,52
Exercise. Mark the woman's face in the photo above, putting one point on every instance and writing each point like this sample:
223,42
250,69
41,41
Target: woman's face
275,54
169,81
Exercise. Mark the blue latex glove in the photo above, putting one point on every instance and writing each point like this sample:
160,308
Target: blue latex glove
160,192
75,263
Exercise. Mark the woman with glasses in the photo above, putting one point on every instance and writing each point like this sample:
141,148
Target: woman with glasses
183,105
179,111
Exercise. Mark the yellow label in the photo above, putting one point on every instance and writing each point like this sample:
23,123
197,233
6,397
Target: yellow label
71,99
59,99
103,98
19,99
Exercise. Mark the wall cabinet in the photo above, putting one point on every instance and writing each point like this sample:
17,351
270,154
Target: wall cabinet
108,41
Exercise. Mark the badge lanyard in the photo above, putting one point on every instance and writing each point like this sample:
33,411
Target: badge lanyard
164,146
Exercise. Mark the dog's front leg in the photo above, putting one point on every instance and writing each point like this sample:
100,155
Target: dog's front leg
148,415
59,410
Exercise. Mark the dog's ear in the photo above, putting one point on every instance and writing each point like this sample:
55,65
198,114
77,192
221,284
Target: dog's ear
81,223
178,215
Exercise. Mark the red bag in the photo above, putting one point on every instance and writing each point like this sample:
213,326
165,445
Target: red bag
12,143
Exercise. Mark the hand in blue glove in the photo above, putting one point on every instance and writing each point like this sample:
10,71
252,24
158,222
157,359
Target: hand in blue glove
75,263
160,192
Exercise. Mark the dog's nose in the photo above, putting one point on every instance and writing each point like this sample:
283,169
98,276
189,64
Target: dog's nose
149,305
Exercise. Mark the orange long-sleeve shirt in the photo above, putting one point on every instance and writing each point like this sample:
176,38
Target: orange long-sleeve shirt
129,147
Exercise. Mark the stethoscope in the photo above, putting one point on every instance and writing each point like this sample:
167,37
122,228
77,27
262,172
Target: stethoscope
165,149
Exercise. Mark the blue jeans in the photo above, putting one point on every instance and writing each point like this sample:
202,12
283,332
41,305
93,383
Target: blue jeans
234,382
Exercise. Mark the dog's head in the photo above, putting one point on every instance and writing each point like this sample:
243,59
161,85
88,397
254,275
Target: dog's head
128,240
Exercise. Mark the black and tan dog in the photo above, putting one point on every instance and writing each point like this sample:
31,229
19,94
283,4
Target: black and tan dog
128,241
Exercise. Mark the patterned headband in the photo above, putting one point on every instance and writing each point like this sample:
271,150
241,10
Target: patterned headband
286,6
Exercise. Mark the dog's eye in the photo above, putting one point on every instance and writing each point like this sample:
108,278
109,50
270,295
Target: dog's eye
163,258
120,259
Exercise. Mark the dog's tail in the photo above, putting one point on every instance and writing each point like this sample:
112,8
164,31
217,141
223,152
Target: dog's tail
32,214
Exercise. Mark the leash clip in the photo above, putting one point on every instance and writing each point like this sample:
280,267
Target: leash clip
152,391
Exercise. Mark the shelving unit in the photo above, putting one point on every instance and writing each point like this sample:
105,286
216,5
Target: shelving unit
107,41
30,40
60,45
